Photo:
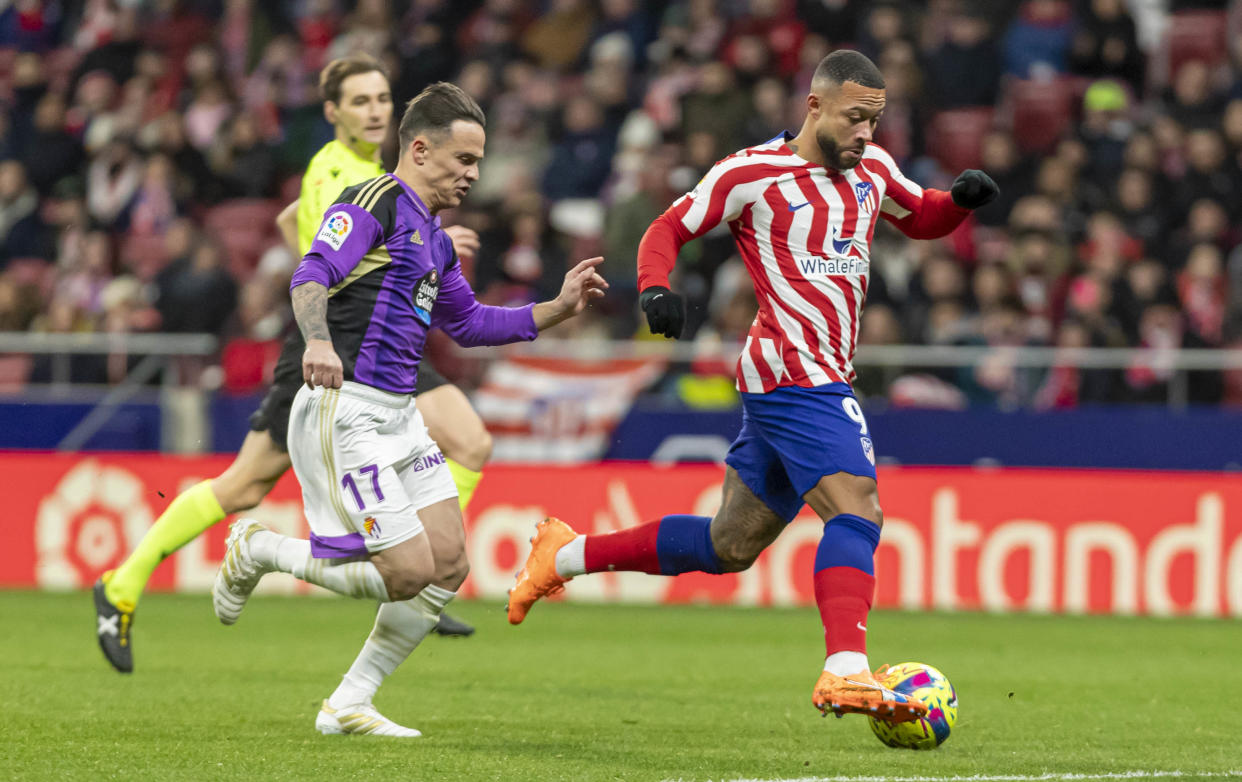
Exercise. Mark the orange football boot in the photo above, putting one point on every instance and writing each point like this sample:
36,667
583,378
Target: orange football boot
539,578
860,693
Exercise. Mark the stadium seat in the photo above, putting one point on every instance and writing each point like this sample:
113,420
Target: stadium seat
1040,111
245,227
955,136
242,214
1193,35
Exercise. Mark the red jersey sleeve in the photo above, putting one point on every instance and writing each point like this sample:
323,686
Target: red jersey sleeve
917,213
719,197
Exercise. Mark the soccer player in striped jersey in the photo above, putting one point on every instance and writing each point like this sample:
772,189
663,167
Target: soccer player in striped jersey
358,104
385,521
803,210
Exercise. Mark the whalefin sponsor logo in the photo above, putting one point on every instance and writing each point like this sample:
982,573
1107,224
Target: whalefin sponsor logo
833,267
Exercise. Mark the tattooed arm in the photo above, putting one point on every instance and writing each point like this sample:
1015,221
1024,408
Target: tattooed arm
320,363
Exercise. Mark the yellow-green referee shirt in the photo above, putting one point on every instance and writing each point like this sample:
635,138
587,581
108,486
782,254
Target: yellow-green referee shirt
331,170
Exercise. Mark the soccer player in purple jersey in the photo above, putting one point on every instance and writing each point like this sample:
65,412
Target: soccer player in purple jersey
385,522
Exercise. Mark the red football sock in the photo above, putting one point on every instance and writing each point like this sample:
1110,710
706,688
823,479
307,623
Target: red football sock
844,597
628,549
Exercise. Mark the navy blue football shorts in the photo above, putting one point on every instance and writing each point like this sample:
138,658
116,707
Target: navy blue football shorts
793,436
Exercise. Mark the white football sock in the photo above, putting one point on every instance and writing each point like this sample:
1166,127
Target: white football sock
352,578
399,628
571,558
846,663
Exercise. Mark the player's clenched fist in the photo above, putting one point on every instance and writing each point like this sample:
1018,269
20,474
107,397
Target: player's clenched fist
666,312
321,366
973,188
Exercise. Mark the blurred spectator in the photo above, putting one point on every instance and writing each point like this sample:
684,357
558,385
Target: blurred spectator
965,69
195,293
1140,213
1067,385
21,229
1202,288
1105,128
1011,171
1192,99
249,359
245,161
558,38
1037,43
1106,44
717,109
124,123
111,182
582,156
50,152
155,204
1206,174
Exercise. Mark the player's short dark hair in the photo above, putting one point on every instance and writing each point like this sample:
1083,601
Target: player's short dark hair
848,65
340,69
435,109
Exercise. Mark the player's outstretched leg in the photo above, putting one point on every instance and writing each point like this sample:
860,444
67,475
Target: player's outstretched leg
844,582
363,719
117,592
671,545
113,623
399,628
239,572
539,578
259,464
455,426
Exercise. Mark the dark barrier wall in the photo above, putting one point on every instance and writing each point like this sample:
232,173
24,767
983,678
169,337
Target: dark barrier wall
1119,437
1113,437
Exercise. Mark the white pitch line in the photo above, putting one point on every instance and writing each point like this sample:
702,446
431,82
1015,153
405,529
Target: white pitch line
1008,777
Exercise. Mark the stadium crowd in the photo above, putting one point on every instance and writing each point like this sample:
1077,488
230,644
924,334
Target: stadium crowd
147,145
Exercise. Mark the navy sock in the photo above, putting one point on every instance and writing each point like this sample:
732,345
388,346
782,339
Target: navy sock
684,544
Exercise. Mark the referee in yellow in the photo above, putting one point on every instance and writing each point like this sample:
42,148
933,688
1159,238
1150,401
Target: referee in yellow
358,104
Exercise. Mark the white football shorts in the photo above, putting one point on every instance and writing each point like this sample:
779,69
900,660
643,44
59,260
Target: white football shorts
366,465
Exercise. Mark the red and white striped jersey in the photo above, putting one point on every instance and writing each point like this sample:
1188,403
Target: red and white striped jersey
804,233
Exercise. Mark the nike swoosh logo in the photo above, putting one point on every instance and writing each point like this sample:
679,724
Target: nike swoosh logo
794,208
862,627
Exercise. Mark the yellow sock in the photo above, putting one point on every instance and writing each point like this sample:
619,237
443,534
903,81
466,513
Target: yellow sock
193,511
467,481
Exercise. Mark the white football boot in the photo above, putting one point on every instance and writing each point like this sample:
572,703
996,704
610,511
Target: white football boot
239,574
361,718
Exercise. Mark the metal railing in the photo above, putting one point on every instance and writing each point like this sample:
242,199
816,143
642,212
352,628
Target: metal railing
1177,361
184,406
160,353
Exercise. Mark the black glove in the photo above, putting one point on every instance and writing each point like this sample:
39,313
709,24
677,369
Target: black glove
666,312
973,188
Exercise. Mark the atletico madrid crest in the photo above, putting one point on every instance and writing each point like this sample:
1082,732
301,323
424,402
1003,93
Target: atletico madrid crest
865,192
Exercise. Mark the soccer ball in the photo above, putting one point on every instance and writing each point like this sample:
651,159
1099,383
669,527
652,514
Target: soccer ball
922,683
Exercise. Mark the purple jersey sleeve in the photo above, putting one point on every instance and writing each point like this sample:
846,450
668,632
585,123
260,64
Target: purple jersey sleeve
460,315
348,232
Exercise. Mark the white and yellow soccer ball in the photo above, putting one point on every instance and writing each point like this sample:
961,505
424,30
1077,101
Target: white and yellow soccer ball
922,683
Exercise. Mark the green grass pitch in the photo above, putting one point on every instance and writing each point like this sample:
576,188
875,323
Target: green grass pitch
584,692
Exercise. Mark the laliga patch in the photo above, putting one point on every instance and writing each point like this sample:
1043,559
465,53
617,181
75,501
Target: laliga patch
868,449
425,293
336,229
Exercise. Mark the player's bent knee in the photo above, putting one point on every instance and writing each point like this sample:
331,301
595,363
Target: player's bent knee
452,574
236,494
736,556
481,449
404,585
